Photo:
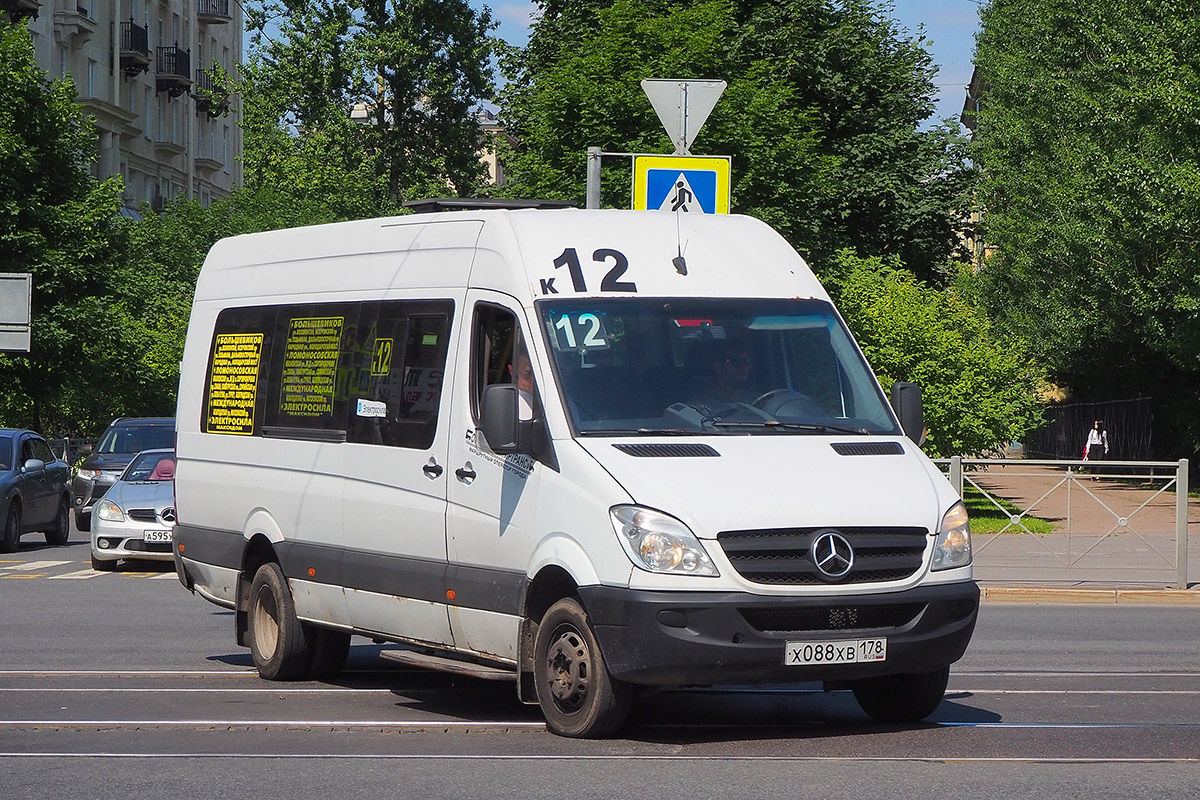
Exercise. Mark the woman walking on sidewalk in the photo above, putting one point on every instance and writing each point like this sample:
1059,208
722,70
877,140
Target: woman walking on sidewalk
1096,446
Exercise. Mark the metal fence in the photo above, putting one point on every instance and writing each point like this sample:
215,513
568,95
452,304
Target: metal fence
1112,521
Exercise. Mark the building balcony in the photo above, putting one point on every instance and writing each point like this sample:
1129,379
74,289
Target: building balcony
73,25
206,165
173,71
210,96
213,12
135,49
20,9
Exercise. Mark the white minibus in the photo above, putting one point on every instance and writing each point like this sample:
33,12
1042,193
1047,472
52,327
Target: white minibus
589,452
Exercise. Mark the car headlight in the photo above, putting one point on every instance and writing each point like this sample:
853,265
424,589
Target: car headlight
952,548
88,474
660,543
109,511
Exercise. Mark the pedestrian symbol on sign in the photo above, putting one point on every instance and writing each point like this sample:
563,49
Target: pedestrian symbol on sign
693,184
681,199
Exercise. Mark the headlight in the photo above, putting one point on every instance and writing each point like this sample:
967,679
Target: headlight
109,511
88,474
953,545
659,543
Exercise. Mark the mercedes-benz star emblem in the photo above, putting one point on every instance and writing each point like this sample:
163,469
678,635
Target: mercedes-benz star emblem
168,514
832,554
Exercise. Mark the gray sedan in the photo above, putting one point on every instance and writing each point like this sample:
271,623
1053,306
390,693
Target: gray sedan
136,517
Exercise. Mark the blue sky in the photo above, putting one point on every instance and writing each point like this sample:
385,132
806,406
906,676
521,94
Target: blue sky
950,24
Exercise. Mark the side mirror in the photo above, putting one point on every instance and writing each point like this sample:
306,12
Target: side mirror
34,465
499,418
85,450
906,401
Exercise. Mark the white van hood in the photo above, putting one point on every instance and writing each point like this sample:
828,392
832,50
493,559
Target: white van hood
779,481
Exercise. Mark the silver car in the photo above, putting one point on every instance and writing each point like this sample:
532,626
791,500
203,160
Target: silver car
136,516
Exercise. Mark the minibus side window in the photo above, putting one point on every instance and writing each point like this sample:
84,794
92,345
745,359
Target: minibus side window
308,388
398,372
499,355
361,372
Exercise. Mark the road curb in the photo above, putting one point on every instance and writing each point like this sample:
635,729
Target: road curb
1086,596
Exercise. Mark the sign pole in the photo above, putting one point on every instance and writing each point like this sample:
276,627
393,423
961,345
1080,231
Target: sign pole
593,177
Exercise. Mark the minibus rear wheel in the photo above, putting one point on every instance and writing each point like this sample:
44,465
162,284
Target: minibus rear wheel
577,695
277,642
902,698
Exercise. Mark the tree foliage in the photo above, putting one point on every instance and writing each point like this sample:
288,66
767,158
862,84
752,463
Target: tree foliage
820,115
1089,143
980,389
60,225
416,73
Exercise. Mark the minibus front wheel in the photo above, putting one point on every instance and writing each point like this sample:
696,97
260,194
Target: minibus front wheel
577,695
277,642
902,698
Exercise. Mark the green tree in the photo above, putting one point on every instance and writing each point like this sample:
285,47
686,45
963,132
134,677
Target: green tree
980,389
60,225
1089,144
415,73
820,115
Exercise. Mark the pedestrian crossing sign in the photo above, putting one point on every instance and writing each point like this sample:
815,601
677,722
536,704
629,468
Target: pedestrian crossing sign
695,184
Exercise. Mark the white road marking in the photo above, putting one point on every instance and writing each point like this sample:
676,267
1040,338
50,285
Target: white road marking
33,566
80,575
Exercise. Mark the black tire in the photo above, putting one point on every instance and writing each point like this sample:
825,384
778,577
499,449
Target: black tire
61,532
103,566
328,650
578,697
83,521
10,537
277,642
902,698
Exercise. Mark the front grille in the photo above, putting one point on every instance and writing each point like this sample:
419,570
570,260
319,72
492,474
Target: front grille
143,514
780,556
831,618
136,546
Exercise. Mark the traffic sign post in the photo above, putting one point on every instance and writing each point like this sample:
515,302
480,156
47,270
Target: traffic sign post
693,184
16,312
679,182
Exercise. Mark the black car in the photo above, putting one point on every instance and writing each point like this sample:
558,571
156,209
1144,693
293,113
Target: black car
33,490
124,438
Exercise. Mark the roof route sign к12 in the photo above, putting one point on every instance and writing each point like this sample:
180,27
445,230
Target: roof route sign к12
694,184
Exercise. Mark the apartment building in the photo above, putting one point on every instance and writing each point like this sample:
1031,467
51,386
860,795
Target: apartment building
142,68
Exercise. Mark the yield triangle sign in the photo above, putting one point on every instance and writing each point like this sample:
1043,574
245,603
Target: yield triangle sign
682,106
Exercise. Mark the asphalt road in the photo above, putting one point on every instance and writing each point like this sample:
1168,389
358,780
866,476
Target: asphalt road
122,685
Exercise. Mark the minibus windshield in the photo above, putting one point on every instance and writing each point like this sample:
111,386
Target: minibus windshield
692,366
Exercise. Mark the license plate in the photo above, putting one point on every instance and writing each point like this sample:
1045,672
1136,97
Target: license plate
156,536
850,651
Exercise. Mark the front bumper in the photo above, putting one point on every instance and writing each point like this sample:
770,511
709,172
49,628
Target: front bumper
692,638
85,492
127,542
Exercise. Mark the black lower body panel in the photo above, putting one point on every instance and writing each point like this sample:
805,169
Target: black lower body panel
703,638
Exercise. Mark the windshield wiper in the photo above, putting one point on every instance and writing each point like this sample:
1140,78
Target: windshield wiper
791,426
642,432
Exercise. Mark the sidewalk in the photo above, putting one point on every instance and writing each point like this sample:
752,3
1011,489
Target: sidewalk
1113,543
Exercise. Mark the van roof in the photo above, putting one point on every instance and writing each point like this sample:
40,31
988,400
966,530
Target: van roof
528,253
